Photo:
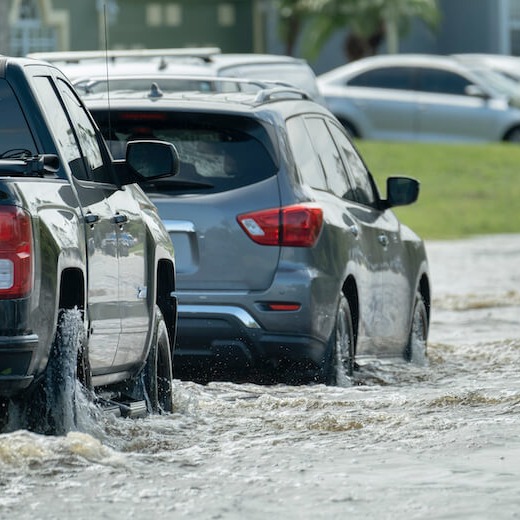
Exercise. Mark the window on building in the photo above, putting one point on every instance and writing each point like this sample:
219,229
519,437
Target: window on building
164,14
28,34
226,15
173,15
153,15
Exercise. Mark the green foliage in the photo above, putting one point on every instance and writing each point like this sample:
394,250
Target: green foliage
366,20
466,189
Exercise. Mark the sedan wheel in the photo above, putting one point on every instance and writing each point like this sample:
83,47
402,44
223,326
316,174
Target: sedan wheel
513,136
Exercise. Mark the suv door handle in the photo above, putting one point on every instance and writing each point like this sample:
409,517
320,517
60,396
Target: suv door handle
383,240
91,219
118,218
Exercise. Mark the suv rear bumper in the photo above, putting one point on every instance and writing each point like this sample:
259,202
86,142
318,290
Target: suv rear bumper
16,354
227,338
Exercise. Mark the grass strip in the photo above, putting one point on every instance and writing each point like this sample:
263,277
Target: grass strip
466,189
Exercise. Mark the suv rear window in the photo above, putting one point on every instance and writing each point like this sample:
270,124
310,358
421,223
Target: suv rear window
217,153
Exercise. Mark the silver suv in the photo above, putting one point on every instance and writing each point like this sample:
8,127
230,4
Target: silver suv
288,260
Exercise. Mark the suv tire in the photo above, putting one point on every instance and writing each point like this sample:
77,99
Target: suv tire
339,365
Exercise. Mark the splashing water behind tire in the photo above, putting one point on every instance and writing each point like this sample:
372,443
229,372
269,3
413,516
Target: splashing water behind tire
60,403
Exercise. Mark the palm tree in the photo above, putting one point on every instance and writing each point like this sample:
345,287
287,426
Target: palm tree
369,22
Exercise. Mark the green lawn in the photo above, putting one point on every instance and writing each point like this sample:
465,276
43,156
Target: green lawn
465,189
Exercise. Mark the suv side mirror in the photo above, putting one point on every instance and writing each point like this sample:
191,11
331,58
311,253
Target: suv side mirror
147,160
152,159
401,191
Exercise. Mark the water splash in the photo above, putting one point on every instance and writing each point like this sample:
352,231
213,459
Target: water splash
58,403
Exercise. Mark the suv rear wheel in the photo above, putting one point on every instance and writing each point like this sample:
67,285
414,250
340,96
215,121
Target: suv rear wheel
415,351
339,365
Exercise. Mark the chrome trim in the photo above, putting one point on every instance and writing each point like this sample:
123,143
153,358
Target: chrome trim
179,226
240,314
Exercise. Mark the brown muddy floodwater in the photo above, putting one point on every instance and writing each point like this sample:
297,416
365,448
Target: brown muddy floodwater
404,442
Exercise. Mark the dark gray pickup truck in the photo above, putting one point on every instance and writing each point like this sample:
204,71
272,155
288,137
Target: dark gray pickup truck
87,272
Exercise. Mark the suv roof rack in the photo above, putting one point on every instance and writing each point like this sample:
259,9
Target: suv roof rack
264,90
277,93
77,56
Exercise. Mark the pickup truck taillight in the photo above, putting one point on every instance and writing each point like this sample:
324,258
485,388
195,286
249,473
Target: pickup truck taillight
296,226
16,252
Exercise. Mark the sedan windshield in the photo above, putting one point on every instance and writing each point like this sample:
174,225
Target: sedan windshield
498,82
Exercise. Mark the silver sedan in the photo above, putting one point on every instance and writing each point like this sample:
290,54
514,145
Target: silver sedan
422,98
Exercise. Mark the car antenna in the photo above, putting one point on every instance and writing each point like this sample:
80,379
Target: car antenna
107,75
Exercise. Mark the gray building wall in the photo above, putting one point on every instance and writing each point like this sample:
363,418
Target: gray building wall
83,23
465,26
470,26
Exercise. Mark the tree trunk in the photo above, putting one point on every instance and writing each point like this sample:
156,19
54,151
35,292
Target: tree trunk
392,37
357,47
293,31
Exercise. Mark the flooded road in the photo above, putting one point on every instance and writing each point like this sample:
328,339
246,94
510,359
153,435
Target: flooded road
410,442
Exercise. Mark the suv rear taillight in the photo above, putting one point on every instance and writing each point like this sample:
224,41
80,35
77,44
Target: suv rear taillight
297,226
16,258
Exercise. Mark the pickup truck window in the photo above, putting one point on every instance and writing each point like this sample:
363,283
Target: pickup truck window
84,128
76,136
15,135
63,133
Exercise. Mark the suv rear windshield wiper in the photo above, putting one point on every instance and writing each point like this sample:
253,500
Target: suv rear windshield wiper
175,184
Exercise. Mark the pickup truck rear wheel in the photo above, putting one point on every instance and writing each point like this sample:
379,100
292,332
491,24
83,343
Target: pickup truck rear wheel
68,373
53,405
4,410
158,372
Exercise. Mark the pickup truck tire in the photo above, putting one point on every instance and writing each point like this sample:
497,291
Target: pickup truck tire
4,410
52,407
158,372
66,375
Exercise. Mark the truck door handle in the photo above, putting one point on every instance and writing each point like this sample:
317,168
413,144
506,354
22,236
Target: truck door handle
91,219
119,219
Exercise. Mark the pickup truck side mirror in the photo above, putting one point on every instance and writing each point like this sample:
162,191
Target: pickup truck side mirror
401,191
147,160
